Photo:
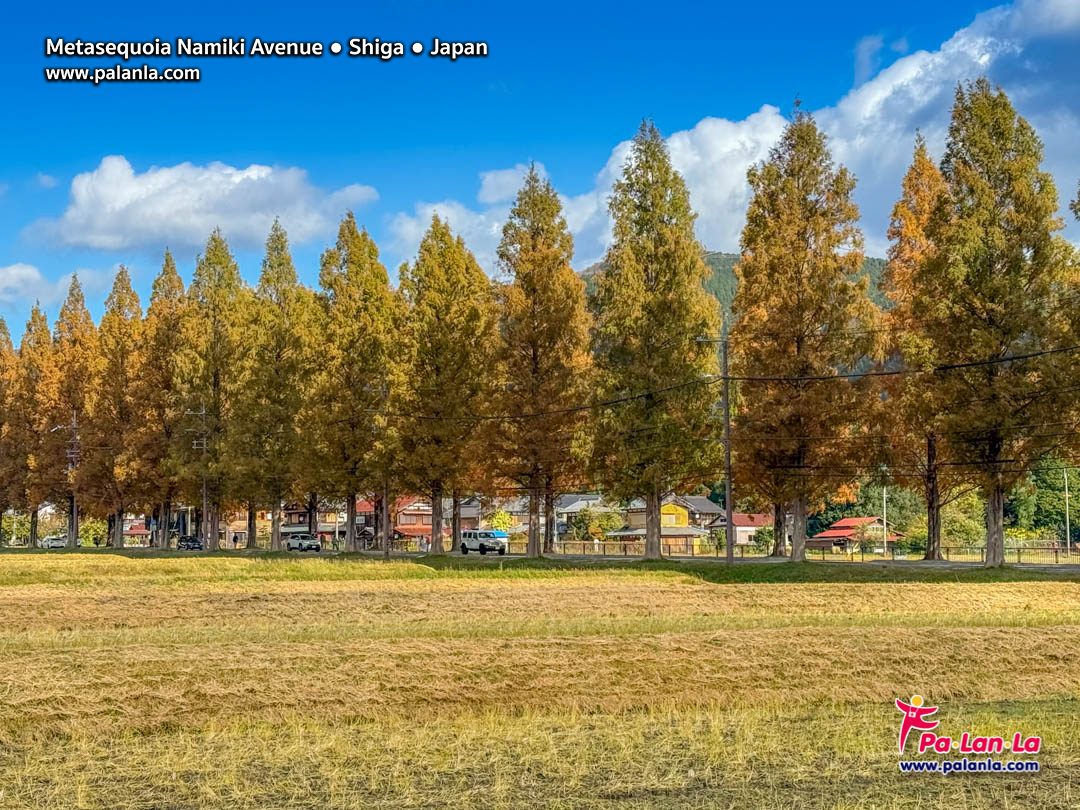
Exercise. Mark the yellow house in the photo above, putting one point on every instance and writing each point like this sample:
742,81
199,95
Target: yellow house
676,533
671,514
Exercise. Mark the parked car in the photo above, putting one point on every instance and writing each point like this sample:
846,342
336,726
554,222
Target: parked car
484,540
189,542
303,542
54,541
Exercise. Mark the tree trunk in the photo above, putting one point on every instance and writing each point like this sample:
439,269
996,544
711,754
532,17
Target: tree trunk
779,527
798,534
213,519
313,514
3,511
387,526
275,526
933,502
118,529
33,540
653,550
995,526
550,527
350,524
252,527
436,519
163,525
73,522
455,521
533,547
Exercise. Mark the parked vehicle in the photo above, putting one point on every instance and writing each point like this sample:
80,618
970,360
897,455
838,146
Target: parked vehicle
54,541
303,542
189,542
484,540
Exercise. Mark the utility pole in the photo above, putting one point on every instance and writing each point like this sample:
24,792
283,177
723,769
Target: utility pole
73,454
728,492
884,519
1068,535
729,531
200,443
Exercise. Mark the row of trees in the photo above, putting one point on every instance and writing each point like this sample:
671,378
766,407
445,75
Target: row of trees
231,396
965,383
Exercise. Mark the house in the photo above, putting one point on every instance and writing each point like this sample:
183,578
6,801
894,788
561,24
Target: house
702,511
569,506
412,517
675,525
848,534
746,525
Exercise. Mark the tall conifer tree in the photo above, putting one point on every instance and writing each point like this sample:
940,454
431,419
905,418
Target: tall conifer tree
161,436
111,473
77,358
801,311
36,400
278,366
651,308
209,367
359,373
992,290
544,352
452,320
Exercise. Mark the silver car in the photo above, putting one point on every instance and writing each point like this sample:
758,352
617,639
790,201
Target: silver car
53,542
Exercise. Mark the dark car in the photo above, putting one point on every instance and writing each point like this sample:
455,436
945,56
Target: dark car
189,542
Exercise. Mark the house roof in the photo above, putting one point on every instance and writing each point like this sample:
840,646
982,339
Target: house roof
748,520
665,531
851,522
702,505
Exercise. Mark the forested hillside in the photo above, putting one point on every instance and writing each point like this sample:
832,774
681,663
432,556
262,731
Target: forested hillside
722,283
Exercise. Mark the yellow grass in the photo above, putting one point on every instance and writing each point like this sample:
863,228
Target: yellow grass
295,683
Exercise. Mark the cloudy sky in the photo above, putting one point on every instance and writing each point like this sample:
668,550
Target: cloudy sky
91,177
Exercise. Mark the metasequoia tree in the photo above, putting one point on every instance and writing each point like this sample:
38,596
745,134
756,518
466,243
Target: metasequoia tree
452,320
651,308
281,338
992,290
917,447
75,345
359,374
10,469
544,353
36,399
210,360
111,473
160,436
801,313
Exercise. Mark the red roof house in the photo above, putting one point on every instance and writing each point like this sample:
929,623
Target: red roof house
847,533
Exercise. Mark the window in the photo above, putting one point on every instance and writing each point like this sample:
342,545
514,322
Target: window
408,520
425,520
668,520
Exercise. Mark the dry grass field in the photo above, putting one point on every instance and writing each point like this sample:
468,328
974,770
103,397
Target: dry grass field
225,681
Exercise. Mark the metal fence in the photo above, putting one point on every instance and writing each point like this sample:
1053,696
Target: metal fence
1040,555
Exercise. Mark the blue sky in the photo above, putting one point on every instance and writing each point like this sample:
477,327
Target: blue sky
96,176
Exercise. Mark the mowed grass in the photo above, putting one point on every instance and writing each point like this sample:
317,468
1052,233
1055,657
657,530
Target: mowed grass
171,681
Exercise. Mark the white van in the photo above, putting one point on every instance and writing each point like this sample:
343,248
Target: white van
484,540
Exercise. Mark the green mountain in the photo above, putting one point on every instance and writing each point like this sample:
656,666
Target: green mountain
722,283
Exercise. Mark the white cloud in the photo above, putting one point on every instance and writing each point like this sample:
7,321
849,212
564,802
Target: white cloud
114,207
45,180
1032,49
22,284
501,185
867,57
899,45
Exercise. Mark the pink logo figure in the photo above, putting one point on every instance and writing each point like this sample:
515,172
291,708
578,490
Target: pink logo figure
915,715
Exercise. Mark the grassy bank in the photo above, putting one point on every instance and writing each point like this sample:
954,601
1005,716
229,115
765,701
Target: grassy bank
167,681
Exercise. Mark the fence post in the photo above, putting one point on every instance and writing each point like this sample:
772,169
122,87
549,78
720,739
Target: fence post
1018,555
